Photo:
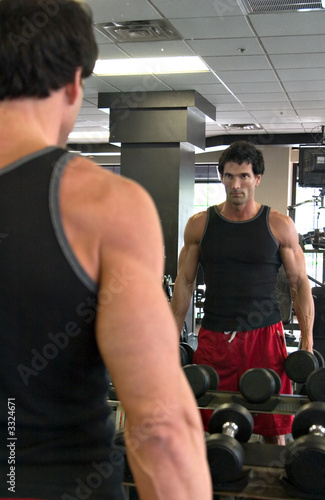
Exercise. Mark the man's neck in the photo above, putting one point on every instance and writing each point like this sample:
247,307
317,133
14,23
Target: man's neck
26,126
243,212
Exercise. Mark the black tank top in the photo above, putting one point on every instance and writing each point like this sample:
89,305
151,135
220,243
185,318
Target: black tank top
240,261
51,371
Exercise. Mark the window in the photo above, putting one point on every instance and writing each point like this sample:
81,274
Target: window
310,215
208,189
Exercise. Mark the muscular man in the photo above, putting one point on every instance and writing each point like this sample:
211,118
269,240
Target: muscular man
81,265
241,245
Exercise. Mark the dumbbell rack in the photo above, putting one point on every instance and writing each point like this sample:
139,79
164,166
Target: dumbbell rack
265,481
279,403
263,475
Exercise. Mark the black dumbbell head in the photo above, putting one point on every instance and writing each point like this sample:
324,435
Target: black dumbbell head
305,464
189,351
319,357
235,413
299,365
277,380
225,458
257,385
184,356
213,377
198,379
308,415
315,385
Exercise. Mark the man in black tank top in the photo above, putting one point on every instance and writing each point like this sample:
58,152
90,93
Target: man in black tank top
81,264
240,246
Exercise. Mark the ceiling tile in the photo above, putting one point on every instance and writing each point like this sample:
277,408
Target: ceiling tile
156,49
302,61
299,44
304,86
307,96
136,83
226,46
111,51
310,105
264,107
212,27
193,8
121,10
285,23
239,62
308,74
193,79
267,97
255,88
252,75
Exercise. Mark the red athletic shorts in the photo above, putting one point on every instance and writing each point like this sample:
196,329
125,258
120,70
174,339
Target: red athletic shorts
231,357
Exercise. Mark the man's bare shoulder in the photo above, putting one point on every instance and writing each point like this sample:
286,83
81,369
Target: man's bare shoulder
100,186
195,227
278,218
198,218
104,211
282,226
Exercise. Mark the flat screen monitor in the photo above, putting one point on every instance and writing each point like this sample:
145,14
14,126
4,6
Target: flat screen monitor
312,166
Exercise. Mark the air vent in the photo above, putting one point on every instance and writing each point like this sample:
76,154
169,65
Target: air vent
241,126
262,6
139,31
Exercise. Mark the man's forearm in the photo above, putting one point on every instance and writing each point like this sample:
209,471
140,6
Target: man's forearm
168,458
304,309
181,301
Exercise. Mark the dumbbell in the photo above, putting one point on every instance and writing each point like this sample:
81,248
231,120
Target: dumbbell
299,364
229,425
202,378
187,353
315,385
305,457
257,385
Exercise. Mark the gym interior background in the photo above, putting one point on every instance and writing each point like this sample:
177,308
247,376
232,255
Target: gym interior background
263,80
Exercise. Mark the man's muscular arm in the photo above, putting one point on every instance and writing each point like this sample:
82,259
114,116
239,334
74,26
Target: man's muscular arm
136,334
294,264
187,268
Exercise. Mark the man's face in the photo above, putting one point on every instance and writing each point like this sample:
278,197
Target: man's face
240,182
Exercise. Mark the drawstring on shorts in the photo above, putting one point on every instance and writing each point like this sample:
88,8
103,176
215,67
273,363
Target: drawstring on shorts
233,334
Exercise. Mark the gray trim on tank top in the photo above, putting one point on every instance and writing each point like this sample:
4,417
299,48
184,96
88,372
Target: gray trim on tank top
238,221
241,222
269,228
54,207
206,226
26,158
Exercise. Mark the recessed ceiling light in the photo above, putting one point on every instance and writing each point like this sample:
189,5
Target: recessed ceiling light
149,65
89,136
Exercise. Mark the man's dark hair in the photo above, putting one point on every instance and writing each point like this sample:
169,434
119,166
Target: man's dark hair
42,43
240,152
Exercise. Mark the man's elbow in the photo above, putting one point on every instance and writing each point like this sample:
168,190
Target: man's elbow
161,436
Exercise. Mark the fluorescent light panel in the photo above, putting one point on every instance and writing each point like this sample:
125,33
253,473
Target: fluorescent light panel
149,66
89,136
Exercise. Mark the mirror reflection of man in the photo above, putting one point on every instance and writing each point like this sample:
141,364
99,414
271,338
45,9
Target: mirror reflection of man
241,245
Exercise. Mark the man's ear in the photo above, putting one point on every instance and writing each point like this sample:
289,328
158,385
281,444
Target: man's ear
258,179
73,89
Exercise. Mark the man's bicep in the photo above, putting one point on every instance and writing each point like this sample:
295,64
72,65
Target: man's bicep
190,253
136,333
293,260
